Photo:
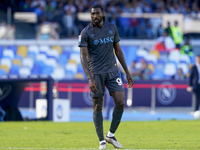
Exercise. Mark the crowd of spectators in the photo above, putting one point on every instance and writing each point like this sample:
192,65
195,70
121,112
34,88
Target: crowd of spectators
64,14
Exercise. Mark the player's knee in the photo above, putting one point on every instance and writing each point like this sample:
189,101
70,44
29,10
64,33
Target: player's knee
120,105
97,107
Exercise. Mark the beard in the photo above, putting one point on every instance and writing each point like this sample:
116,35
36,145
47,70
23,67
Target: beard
98,22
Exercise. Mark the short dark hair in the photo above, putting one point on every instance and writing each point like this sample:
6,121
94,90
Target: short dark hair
97,6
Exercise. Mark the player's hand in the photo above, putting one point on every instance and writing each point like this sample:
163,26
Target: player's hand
93,85
130,80
189,89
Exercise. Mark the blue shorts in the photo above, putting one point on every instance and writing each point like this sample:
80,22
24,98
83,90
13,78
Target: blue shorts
112,80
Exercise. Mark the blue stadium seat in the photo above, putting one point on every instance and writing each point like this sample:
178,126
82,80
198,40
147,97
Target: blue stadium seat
62,59
38,67
80,68
157,74
67,48
1,51
192,59
13,48
31,55
24,71
132,51
8,53
170,69
66,53
58,73
18,57
3,72
14,70
48,70
69,74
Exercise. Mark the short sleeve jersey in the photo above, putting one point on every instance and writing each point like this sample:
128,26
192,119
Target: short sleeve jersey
101,58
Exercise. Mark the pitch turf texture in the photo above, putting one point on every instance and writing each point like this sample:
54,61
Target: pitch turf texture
81,135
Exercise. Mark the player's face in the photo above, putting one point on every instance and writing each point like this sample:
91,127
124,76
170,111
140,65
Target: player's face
96,15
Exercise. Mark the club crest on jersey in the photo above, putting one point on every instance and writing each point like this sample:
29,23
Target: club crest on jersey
110,32
92,35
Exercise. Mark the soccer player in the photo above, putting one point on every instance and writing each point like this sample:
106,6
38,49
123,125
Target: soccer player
96,43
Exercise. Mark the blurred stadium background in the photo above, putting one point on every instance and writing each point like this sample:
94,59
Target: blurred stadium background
159,38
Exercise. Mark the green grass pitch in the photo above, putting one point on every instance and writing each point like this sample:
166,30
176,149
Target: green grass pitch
81,135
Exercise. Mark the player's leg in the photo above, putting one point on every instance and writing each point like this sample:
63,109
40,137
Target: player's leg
97,109
98,120
118,97
116,89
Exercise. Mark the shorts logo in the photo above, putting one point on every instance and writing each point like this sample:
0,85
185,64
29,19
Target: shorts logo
119,81
166,93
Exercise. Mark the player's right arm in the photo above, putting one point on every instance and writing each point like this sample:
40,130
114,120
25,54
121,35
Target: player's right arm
84,62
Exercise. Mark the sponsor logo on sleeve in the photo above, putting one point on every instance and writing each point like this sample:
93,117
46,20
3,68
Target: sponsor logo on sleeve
79,38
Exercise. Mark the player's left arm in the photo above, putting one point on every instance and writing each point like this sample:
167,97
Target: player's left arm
120,56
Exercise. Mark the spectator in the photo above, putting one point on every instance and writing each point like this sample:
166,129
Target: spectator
26,6
48,30
156,26
147,7
187,48
81,5
49,7
167,41
7,31
128,27
168,29
195,14
135,73
69,23
3,30
70,8
160,47
59,9
36,3
177,34
180,75
145,71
